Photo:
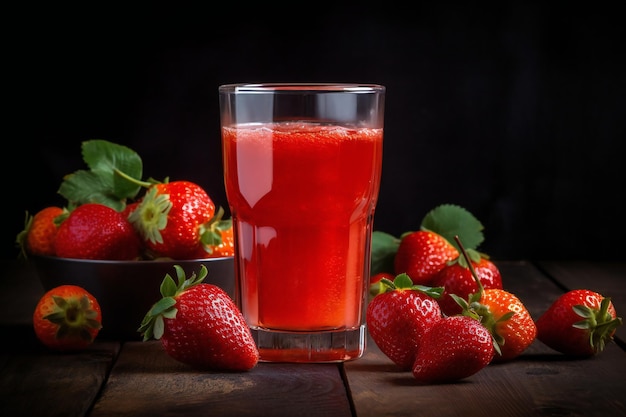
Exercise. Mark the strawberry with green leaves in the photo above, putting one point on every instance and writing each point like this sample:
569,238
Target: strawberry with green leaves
502,313
507,319
173,219
453,348
456,278
398,318
579,323
39,232
96,231
217,238
200,325
227,245
67,318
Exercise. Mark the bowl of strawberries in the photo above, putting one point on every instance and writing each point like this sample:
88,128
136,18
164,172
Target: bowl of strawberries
119,236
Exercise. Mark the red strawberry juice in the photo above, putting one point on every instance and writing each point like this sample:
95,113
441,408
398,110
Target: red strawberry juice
302,197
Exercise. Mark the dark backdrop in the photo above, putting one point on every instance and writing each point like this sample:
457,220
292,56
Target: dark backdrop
515,112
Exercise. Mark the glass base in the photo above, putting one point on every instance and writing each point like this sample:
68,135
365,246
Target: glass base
315,347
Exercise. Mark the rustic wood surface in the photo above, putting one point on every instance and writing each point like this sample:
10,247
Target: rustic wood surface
539,383
114,378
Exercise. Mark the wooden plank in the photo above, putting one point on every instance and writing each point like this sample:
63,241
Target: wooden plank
147,382
539,382
37,382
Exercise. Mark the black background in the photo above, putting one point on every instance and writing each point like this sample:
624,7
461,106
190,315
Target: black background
514,111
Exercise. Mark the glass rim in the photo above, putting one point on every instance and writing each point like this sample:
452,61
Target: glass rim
299,87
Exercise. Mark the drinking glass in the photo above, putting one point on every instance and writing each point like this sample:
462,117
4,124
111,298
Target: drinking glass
302,167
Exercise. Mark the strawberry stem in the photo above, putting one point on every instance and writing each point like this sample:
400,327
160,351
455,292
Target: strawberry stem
127,177
469,264
473,308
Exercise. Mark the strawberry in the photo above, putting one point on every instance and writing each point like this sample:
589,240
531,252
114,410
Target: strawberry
398,318
39,232
508,320
67,318
96,231
170,219
200,325
217,238
422,254
456,278
227,245
502,313
578,323
452,349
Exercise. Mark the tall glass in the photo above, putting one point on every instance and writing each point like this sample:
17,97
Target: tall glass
302,166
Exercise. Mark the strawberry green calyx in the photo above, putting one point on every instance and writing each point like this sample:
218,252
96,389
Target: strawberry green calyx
211,232
152,325
75,318
600,324
150,217
404,282
474,309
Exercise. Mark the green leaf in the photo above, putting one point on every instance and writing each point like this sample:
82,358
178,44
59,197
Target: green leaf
110,180
89,187
384,248
451,220
105,157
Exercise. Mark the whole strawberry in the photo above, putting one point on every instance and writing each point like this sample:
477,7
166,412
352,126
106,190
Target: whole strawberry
67,318
200,325
96,231
423,254
217,238
226,245
502,313
452,349
171,218
456,278
398,318
578,323
508,320
39,232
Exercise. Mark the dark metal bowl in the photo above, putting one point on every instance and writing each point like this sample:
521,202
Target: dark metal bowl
126,290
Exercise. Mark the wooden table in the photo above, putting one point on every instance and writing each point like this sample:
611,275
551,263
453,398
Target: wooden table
134,378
